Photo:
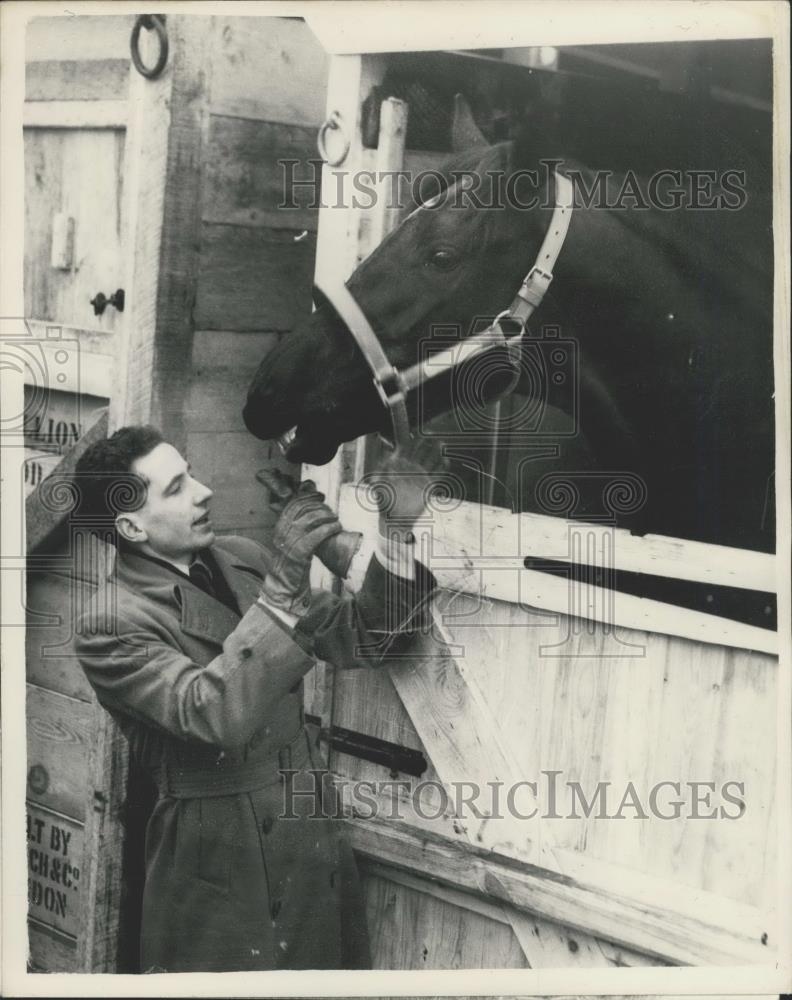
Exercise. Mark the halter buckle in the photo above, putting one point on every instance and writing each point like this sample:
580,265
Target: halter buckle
390,387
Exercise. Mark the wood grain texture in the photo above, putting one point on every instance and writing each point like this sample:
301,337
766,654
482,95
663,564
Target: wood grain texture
504,579
99,941
278,52
164,167
705,931
57,161
60,733
90,37
77,80
49,657
252,278
83,115
220,375
227,462
50,951
545,944
246,185
412,930
44,521
56,860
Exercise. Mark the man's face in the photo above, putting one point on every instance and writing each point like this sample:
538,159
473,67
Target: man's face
174,521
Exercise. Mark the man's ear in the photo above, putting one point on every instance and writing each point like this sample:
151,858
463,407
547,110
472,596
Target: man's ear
130,529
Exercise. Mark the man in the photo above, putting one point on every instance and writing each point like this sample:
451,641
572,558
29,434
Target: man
198,647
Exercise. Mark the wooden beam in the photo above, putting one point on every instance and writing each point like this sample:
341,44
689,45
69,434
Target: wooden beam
74,114
163,176
452,550
679,925
99,942
77,80
44,520
473,536
545,944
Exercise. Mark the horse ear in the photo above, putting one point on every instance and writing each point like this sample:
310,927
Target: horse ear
465,133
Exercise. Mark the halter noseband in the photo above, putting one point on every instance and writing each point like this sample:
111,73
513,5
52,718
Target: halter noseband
393,385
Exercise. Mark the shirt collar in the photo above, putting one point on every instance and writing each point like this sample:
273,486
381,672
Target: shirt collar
199,558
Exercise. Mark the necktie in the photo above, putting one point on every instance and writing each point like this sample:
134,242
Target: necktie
202,578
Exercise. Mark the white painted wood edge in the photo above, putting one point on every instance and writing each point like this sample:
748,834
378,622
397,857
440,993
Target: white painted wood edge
510,582
74,114
668,920
477,537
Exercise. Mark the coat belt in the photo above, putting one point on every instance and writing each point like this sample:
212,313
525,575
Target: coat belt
185,781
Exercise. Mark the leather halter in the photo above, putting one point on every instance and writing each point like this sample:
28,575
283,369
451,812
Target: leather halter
393,385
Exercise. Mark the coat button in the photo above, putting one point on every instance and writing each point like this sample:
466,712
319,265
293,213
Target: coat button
266,825
276,908
245,653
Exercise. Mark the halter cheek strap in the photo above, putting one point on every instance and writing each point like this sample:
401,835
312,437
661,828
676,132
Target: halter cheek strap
393,385
530,294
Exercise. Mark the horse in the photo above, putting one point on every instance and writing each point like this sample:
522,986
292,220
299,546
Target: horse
666,313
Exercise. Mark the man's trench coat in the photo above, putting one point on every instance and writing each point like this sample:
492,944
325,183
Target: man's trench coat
211,704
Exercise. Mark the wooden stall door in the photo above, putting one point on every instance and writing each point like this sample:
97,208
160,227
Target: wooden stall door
77,75
522,678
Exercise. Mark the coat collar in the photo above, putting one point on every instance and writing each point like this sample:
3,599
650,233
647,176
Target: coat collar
200,615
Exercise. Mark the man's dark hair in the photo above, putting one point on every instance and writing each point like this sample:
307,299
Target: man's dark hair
103,474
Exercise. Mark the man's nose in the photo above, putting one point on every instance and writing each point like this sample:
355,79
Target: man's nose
202,493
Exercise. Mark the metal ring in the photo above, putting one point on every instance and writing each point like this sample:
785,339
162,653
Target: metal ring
332,123
151,22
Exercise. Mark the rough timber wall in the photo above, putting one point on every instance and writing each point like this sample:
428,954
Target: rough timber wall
256,262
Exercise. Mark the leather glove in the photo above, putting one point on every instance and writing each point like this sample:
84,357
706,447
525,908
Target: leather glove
303,525
335,552
404,482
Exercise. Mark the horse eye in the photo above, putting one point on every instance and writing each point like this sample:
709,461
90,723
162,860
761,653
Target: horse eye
443,260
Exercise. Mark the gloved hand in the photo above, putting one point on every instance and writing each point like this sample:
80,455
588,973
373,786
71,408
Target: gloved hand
335,552
305,522
403,483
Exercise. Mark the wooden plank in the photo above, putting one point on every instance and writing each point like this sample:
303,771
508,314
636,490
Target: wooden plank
476,537
90,114
350,78
57,161
218,386
163,176
246,185
55,858
412,930
43,520
100,938
59,738
530,589
91,37
669,922
545,944
77,80
278,51
49,658
50,951
227,462
251,278
390,158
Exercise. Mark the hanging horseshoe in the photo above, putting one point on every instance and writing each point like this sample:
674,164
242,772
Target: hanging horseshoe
151,22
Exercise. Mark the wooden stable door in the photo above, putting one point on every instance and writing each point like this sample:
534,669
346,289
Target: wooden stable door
74,134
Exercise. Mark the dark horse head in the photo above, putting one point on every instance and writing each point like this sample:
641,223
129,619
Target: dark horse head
670,311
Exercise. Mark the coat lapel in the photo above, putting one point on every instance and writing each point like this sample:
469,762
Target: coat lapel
244,580
201,616
204,617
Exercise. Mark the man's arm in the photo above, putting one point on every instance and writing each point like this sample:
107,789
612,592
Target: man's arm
394,600
137,671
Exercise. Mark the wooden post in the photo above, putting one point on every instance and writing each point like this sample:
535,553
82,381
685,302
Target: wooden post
163,173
